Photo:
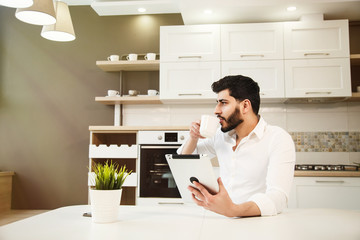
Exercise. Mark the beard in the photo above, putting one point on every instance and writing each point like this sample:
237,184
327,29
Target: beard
232,121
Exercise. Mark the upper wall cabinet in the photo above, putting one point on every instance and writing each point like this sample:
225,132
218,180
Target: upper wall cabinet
255,41
318,78
268,74
190,43
316,39
188,81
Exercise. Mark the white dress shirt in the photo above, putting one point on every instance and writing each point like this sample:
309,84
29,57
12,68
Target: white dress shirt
261,169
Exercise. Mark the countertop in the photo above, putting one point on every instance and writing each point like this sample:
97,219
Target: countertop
327,173
8,173
185,222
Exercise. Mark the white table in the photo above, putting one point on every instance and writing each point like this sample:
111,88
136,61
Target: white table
185,223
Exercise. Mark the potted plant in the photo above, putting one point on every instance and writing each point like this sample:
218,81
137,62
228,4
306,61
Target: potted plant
106,195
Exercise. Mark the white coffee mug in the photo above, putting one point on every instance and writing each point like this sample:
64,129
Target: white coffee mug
113,58
131,57
208,126
152,92
112,93
133,92
150,56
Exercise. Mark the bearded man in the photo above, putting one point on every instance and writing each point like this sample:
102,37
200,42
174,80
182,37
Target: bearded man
256,159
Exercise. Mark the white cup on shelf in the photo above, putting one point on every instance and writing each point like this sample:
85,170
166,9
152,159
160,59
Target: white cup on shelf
132,57
112,93
113,58
153,92
150,56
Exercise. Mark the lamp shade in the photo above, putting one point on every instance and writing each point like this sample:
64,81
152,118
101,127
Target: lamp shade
17,3
42,12
62,30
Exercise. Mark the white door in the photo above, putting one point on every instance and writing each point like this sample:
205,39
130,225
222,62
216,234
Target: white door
316,39
188,81
317,78
190,43
268,74
255,41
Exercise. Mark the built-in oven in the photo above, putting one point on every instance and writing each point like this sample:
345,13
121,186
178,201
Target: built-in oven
156,183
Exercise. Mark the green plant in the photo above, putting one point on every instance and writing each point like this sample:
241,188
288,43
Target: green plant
109,176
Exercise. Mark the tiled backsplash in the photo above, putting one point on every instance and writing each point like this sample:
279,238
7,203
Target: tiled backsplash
326,141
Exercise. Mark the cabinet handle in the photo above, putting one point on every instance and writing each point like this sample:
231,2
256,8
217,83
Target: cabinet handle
252,55
317,92
180,57
189,94
309,54
328,181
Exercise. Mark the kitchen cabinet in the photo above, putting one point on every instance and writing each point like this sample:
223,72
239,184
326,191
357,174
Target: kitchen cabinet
190,43
188,81
316,39
269,75
317,78
254,41
325,192
120,148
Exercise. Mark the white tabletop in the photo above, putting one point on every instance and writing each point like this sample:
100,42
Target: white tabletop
185,223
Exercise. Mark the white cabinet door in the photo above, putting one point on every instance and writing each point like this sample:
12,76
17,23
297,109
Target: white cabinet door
325,192
316,39
317,78
268,74
190,43
255,41
188,81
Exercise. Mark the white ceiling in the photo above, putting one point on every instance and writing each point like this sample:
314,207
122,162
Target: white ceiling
229,11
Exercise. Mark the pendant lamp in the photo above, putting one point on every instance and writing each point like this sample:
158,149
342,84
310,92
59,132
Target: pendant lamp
62,30
42,12
17,3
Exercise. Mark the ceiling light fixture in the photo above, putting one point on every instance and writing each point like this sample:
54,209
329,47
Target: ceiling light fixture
141,10
291,8
62,30
42,12
17,3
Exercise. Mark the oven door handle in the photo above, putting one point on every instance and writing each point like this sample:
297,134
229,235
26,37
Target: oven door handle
159,147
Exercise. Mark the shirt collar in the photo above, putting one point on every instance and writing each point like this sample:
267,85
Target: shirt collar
258,131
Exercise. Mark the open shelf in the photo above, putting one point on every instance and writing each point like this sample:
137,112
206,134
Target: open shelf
355,59
124,65
129,100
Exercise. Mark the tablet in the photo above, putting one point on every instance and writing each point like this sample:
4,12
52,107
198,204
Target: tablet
188,168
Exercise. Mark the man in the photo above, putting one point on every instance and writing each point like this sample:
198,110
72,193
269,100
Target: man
256,159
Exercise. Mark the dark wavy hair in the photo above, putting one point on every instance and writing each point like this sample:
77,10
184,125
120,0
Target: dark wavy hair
241,88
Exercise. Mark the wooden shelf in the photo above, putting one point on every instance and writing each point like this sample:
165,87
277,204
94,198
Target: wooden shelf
139,65
355,59
355,97
129,100
134,129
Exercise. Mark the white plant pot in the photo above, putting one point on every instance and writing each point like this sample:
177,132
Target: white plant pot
105,205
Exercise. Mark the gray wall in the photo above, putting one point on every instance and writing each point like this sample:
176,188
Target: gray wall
47,92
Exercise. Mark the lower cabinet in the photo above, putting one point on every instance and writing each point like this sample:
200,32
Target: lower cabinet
325,192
